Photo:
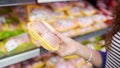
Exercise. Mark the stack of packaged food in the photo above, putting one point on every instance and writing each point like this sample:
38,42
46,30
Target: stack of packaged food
71,19
49,60
13,38
96,43
76,18
52,60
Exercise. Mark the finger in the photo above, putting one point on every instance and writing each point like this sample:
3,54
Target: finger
62,37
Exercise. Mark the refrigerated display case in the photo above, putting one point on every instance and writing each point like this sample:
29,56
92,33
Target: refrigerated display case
13,24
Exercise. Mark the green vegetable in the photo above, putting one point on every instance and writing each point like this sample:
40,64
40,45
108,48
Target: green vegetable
22,48
4,34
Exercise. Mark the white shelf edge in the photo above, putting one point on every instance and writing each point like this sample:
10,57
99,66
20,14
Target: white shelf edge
19,58
43,1
4,3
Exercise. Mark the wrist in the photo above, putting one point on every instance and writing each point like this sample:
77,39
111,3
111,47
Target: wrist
79,50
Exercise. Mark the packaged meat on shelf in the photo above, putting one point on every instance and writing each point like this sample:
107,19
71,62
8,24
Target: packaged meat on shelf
52,60
76,18
39,31
96,43
37,12
49,60
63,25
20,12
13,38
15,45
60,6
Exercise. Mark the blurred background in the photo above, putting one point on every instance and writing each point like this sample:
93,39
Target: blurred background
85,21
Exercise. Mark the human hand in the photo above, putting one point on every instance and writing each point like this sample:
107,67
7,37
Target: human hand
68,46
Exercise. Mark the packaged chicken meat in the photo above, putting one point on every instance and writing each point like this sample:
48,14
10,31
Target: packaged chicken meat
80,63
4,34
81,31
99,26
39,64
2,50
13,26
84,21
60,6
1,26
20,12
64,64
26,64
89,11
2,21
43,32
80,3
59,15
17,65
62,25
9,22
70,33
12,22
36,13
99,18
18,44
5,10
51,62
75,11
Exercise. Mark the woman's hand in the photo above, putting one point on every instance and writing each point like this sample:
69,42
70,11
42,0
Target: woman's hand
68,46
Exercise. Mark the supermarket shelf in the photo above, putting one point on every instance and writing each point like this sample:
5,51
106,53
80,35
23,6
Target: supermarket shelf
92,34
43,1
19,58
21,2
15,2
36,52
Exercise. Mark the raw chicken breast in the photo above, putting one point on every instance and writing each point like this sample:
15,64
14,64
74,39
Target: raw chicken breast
85,21
46,34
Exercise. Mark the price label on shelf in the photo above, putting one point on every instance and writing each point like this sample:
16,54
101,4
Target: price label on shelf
10,45
2,19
